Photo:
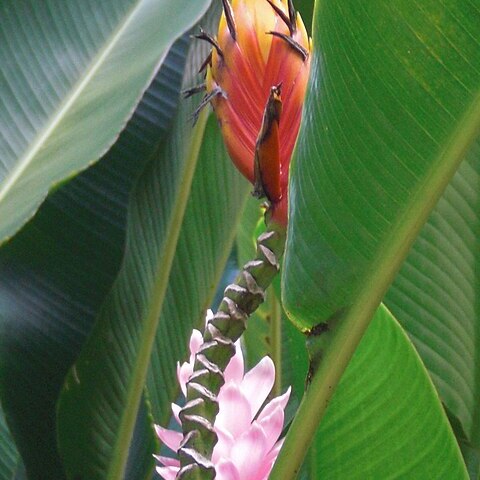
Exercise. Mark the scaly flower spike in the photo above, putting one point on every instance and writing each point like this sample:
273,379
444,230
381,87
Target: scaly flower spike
256,79
248,444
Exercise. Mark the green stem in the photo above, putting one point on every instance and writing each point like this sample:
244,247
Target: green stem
337,348
241,299
276,339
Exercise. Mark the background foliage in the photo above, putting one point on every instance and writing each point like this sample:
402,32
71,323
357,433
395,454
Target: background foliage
139,241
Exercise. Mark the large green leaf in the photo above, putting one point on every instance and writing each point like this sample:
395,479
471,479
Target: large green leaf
101,395
385,420
71,75
217,195
435,295
57,270
9,456
392,107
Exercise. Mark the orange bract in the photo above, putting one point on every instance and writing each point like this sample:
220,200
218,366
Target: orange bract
250,61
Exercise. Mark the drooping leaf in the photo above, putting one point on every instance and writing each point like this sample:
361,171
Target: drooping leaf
72,73
102,392
435,295
203,248
57,270
385,419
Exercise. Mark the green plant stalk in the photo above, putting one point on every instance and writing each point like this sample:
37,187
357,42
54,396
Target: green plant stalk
147,338
340,342
275,338
241,299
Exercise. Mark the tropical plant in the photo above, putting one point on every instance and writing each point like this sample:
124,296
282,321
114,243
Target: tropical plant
121,218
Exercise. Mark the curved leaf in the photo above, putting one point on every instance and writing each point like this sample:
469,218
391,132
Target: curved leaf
71,76
435,295
385,419
392,107
57,270
217,195
9,457
101,395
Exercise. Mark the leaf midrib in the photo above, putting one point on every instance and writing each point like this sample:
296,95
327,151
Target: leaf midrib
381,272
56,118
147,337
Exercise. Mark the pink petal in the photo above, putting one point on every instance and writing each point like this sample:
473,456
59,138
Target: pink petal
258,383
273,454
235,369
226,470
249,454
196,341
209,316
167,461
223,446
277,402
272,457
272,426
176,411
167,473
170,438
183,374
234,413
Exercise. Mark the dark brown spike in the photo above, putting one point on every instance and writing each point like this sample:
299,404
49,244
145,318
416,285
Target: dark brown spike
227,8
283,16
205,101
189,92
206,62
292,15
203,35
293,43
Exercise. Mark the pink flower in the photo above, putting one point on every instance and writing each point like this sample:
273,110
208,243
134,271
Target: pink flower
248,442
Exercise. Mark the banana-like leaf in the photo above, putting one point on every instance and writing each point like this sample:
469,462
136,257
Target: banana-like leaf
385,419
72,73
305,8
435,295
392,107
9,457
101,395
57,270
203,248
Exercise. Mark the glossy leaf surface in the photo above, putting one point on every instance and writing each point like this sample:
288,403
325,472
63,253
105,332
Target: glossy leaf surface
105,383
72,73
203,248
393,105
58,269
385,419
435,296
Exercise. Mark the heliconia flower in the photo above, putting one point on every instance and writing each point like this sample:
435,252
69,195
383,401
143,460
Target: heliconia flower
248,435
256,83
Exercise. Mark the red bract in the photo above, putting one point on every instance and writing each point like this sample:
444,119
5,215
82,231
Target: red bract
261,44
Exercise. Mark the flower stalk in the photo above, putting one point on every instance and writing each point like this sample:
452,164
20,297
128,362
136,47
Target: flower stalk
240,300
256,77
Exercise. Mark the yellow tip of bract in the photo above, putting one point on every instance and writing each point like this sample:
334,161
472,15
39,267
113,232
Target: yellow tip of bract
252,63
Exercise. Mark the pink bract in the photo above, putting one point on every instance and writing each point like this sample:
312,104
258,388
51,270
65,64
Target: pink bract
248,435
